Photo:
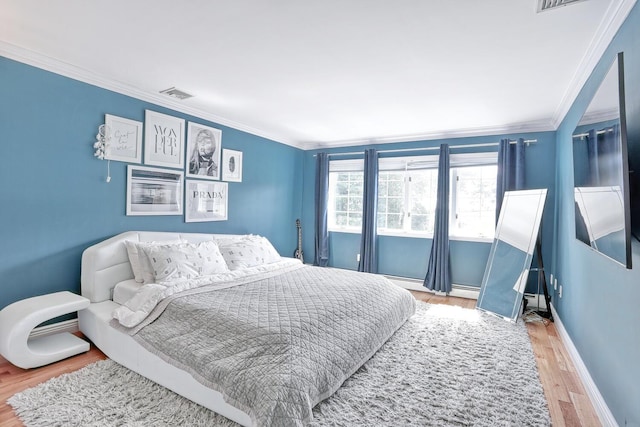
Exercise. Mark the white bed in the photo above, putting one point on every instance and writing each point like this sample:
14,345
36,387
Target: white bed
107,263
103,266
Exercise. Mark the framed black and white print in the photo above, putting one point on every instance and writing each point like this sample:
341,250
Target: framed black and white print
205,201
123,139
163,140
203,152
232,165
154,191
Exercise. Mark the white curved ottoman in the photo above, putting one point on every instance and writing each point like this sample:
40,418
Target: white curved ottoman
17,320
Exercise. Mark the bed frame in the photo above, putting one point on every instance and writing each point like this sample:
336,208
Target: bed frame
103,266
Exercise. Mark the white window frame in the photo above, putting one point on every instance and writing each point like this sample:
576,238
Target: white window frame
407,164
336,166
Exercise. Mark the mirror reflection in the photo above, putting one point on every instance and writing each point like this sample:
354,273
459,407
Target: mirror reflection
599,177
507,271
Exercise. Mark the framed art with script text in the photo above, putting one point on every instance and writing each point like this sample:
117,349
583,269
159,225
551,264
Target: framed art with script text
123,139
163,140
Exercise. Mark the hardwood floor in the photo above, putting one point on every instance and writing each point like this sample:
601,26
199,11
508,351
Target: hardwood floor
569,403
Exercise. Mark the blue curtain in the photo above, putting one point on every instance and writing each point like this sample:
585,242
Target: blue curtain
321,257
603,150
592,155
439,272
368,257
511,170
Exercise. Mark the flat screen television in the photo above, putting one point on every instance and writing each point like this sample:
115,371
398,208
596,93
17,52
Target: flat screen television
601,171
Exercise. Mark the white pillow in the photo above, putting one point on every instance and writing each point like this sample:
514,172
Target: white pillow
248,251
142,271
185,261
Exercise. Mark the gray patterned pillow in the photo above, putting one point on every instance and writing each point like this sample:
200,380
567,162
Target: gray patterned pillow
185,261
248,251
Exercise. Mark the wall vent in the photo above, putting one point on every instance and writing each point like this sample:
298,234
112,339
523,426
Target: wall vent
176,93
553,4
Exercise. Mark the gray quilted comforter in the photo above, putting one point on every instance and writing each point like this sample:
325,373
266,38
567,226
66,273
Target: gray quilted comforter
277,346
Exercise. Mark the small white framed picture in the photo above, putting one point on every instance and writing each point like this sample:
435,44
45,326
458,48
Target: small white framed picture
203,152
232,165
123,139
154,191
163,140
206,201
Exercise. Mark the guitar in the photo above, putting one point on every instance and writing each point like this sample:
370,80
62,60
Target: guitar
298,252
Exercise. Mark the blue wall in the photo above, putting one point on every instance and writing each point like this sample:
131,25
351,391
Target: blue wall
55,201
408,257
599,302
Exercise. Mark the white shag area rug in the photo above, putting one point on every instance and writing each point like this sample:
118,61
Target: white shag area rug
447,366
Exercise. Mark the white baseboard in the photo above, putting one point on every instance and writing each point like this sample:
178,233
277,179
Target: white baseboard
55,328
600,406
416,285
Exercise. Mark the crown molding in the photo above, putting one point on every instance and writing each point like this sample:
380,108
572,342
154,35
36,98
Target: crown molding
533,126
613,20
615,16
86,76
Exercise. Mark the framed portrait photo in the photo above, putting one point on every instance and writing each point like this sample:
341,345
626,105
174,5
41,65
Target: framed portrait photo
163,140
205,201
123,139
154,191
203,152
232,165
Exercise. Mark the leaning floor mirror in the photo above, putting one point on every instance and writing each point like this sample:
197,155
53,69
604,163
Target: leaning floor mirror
510,258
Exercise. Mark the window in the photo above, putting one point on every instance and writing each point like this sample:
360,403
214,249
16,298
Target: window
347,198
345,194
407,188
473,201
407,200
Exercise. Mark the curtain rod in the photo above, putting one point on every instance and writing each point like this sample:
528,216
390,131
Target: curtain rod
401,150
600,132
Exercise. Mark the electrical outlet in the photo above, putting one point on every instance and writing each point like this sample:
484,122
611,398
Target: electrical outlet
358,258
560,292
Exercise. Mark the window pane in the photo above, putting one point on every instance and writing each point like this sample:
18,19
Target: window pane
423,188
355,220
419,223
475,204
345,199
341,204
394,221
355,204
390,200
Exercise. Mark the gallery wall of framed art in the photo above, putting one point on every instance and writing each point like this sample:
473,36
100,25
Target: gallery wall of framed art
158,188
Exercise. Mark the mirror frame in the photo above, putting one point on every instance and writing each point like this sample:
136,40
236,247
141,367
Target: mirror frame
501,295
619,61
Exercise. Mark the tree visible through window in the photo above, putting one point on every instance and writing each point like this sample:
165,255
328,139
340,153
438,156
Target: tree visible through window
474,205
345,197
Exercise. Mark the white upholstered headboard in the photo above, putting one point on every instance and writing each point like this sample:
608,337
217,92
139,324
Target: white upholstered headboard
106,263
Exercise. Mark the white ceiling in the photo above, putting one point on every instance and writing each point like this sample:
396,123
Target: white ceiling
328,72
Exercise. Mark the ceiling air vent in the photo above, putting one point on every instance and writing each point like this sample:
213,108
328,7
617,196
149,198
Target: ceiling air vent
552,4
176,93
